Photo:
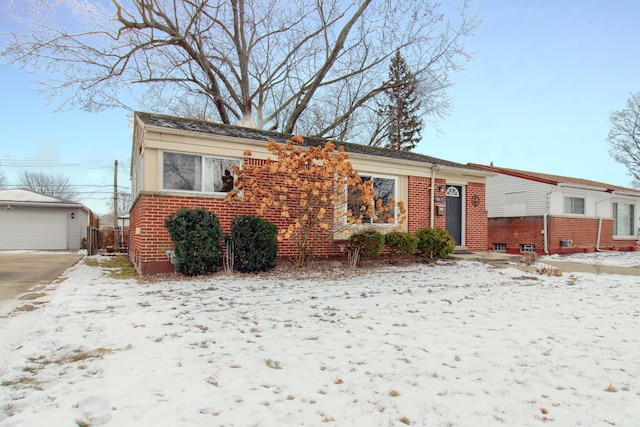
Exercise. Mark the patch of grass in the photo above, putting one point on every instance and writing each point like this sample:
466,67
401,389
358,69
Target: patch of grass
273,364
394,393
119,266
405,420
79,355
32,296
92,262
23,380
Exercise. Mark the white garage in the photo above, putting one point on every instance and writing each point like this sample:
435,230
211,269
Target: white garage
30,220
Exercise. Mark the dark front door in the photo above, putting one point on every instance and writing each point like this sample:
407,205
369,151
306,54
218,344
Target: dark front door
454,213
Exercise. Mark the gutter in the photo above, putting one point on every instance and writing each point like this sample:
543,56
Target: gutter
44,204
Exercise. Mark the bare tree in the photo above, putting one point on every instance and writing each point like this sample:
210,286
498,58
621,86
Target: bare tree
309,65
124,203
624,137
51,185
3,180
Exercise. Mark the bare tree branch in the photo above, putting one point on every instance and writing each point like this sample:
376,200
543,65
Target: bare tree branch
285,64
624,137
57,186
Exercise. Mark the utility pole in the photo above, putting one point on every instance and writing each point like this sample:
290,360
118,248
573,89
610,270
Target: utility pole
116,234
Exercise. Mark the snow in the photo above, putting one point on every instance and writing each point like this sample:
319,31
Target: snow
613,258
456,344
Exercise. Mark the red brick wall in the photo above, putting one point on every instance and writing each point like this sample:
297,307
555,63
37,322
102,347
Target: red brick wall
476,222
516,231
419,205
528,230
148,246
150,239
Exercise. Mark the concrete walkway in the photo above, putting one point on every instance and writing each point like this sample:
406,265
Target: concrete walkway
497,258
578,267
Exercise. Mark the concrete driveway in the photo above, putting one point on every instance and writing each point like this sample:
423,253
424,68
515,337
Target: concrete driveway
20,271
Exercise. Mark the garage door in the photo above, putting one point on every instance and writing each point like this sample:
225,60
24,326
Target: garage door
32,230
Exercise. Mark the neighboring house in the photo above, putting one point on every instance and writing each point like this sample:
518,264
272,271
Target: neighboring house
178,162
535,212
30,220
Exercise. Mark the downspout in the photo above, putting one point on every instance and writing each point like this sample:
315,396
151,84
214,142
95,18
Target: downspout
545,218
433,168
599,224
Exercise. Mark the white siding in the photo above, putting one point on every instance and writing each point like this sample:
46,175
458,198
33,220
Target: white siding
77,227
596,203
499,188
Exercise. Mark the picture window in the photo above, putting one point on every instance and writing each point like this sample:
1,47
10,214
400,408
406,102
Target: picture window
188,172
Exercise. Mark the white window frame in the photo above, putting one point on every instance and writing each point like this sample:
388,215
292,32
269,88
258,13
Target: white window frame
394,178
633,226
203,167
574,196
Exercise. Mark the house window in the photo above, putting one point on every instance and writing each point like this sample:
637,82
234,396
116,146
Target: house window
500,247
385,190
623,219
527,248
574,205
190,172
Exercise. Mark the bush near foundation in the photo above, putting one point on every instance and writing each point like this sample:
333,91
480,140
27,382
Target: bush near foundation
435,243
400,242
365,244
196,237
255,243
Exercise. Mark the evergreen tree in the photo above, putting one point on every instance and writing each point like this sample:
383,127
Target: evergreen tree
401,125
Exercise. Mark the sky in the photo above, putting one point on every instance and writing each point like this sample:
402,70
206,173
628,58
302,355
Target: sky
537,96
334,348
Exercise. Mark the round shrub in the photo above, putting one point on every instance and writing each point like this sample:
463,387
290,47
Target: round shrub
255,243
366,244
196,237
435,243
400,242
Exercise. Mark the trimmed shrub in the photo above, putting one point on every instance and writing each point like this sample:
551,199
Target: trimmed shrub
435,243
196,237
400,242
255,244
366,244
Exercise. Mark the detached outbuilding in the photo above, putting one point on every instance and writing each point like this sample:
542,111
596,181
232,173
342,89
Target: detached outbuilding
179,162
542,213
30,220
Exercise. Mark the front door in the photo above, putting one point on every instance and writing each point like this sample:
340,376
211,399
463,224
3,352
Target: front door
454,213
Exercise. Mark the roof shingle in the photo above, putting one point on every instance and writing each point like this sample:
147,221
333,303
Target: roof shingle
201,126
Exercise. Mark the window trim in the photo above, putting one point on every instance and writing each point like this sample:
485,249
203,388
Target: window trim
202,168
372,175
632,218
574,196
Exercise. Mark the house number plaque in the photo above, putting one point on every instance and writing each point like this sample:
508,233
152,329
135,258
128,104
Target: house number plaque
475,200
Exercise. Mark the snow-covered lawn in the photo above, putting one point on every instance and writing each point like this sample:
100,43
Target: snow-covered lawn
458,344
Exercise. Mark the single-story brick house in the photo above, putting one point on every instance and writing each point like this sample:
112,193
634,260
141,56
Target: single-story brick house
30,220
542,213
178,162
